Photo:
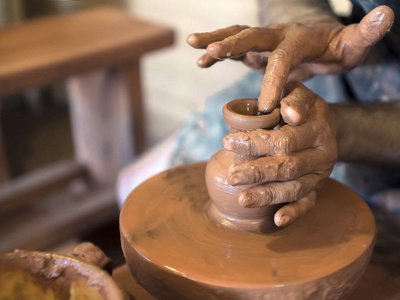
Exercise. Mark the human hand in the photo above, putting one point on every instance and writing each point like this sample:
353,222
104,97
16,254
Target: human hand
296,158
294,51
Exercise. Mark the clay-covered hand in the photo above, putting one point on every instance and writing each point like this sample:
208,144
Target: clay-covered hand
296,49
295,159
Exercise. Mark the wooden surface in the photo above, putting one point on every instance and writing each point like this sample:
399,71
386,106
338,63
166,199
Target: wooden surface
131,76
98,52
27,188
42,51
4,172
44,224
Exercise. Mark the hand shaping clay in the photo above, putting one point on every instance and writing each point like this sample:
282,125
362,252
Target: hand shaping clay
240,115
180,244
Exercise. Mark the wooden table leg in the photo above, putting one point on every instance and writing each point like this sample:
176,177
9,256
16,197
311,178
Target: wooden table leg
102,122
4,171
131,74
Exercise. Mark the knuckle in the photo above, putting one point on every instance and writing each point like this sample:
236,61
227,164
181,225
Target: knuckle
290,169
284,144
279,55
270,197
258,145
266,200
266,171
258,172
256,30
297,190
238,28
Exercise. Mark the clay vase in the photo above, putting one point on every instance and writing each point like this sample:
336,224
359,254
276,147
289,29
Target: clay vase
240,115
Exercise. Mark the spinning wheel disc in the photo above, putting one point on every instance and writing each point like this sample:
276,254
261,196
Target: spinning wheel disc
175,251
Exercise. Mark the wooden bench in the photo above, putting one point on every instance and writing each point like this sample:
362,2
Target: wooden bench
97,52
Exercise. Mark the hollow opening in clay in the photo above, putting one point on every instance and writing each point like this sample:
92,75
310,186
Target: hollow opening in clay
243,114
245,107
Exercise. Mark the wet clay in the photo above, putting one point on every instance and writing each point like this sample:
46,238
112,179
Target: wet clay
39,275
296,48
225,210
93,255
175,251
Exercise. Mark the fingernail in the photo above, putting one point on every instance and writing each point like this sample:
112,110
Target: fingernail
248,200
264,108
283,220
213,49
235,178
201,63
227,143
291,116
190,38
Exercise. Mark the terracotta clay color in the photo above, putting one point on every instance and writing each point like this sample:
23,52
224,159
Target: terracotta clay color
175,251
240,115
40,275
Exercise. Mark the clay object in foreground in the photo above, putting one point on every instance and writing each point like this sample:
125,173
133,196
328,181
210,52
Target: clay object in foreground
240,115
175,251
52,276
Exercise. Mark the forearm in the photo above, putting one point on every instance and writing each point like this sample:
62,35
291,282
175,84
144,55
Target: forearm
368,133
283,11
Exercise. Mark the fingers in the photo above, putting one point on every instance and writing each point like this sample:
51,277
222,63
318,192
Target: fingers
202,40
281,192
206,61
280,63
292,211
286,139
296,105
252,39
300,105
280,168
373,27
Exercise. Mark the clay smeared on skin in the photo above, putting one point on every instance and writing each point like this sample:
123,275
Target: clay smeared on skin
294,51
289,163
227,203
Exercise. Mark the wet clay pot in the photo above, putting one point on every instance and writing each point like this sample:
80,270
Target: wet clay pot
240,115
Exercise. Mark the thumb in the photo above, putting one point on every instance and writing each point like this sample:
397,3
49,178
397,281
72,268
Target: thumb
296,104
374,26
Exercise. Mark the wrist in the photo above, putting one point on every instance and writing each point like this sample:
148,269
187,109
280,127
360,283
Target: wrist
336,121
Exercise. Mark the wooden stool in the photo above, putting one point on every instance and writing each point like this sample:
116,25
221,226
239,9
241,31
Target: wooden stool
97,52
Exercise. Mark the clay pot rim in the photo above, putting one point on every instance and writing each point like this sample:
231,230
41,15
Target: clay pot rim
240,121
108,287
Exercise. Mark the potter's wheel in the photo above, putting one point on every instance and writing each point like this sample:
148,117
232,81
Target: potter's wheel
176,252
